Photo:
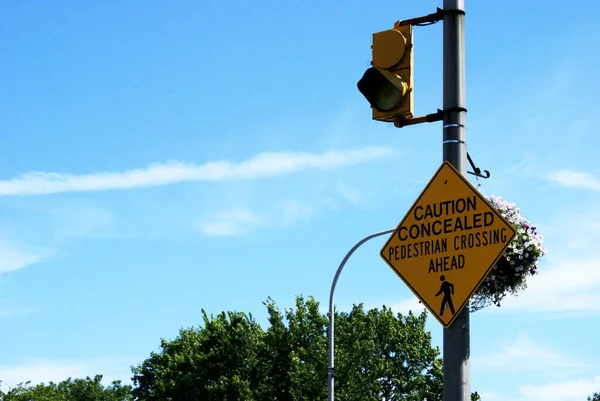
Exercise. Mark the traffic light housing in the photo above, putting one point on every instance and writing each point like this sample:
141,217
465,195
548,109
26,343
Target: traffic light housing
388,84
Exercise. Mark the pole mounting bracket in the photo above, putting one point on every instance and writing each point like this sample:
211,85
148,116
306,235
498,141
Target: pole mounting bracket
429,118
429,19
476,170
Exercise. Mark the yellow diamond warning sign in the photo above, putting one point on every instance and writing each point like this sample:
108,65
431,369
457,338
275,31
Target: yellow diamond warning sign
447,243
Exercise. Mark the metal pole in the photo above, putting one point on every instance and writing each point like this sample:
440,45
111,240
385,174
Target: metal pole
330,367
457,385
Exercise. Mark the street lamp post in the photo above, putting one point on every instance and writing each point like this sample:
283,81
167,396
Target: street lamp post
330,367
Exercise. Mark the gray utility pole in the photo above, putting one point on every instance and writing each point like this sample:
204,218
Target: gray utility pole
457,367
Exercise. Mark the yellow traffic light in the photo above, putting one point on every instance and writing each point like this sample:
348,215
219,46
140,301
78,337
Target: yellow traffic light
388,84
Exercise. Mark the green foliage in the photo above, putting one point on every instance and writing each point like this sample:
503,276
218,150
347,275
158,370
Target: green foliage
475,396
379,356
275,358
215,362
385,356
308,343
594,397
70,390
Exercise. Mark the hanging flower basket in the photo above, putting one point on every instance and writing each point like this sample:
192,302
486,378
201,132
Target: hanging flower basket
519,262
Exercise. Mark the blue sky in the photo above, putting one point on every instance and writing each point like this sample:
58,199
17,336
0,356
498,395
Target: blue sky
157,158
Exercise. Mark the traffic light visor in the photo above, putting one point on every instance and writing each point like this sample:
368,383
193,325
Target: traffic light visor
383,89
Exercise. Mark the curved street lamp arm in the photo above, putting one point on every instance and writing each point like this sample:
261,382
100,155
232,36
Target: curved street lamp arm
330,333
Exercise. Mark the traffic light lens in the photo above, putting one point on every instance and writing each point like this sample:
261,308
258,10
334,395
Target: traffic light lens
387,97
382,89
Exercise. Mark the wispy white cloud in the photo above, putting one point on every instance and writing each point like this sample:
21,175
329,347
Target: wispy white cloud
563,285
573,390
291,211
576,179
260,166
80,220
229,223
568,282
352,195
238,221
530,359
531,355
489,395
14,256
44,371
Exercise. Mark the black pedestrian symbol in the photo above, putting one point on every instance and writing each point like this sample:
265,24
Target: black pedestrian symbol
448,290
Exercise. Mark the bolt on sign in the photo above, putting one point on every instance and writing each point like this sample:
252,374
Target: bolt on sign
447,243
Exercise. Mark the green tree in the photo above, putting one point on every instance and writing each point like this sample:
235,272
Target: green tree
594,397
308,336
383,356
215,362
380,356
87,389
275,358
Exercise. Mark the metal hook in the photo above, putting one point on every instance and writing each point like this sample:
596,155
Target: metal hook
476,170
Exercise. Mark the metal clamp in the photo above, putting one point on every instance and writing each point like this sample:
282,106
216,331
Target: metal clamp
429,19
429,118
476,170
